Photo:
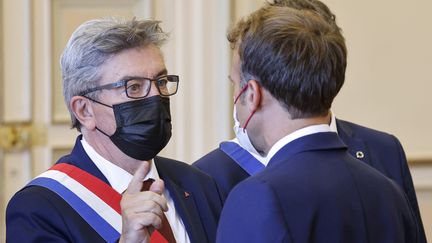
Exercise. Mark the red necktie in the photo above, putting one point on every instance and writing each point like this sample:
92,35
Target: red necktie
164,234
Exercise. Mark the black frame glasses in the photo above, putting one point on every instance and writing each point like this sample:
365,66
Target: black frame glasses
167,85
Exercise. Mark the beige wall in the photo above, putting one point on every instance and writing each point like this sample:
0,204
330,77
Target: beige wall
388,79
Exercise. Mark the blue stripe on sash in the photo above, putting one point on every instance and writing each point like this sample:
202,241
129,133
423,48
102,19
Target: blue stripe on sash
242,157
103,228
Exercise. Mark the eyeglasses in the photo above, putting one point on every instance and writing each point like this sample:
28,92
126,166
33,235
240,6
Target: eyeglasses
139,87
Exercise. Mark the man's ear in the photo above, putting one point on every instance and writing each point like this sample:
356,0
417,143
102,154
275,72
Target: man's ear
253,95
83,111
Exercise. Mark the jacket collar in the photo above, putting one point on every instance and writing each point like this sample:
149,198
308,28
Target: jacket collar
313,142
356,146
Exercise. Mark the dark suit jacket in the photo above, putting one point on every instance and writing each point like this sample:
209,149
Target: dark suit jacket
380,150
36,214
313,190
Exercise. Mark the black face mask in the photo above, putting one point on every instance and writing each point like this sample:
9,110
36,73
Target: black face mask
143,127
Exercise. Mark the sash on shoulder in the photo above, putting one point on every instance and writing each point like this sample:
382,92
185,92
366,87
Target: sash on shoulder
94,200
242,157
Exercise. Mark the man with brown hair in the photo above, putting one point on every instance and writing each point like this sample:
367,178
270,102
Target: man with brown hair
234,161
288,65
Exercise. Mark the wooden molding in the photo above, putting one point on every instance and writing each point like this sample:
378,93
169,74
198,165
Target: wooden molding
420,161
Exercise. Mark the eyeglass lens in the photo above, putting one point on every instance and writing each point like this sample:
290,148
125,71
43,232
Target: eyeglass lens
138,88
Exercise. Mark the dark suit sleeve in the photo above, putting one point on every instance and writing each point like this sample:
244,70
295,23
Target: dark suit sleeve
252,213
225,171
409,189
27,219
223,192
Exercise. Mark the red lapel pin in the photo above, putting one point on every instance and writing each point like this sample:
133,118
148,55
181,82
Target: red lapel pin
186,194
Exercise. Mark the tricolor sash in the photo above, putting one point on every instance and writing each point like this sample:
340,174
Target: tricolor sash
94,200
242,157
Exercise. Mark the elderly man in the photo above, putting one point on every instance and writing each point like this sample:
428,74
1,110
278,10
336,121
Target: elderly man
288,65
112,186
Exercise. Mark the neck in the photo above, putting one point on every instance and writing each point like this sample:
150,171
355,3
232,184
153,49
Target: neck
269,131
277,131
329,118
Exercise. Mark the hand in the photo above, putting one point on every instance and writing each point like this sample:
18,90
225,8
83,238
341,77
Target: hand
142,212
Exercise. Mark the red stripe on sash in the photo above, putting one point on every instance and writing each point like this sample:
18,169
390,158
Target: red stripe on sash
157,237
101,189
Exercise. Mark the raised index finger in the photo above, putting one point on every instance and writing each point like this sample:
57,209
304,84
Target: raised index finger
137,181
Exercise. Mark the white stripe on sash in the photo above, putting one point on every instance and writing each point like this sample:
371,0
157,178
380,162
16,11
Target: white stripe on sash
93,201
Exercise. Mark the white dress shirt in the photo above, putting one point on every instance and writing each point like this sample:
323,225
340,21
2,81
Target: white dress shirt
119,179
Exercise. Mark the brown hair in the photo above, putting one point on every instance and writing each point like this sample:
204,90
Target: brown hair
311,5
295,54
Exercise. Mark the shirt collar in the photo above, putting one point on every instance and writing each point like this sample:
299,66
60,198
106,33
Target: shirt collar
153,173
118,178
295,135
333,126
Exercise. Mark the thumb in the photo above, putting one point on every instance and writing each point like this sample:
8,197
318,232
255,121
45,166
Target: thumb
137,181
157,186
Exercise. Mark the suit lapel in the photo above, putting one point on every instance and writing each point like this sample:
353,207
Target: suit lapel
185,206
356,146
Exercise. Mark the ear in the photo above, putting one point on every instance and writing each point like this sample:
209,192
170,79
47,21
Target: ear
254,95
83,111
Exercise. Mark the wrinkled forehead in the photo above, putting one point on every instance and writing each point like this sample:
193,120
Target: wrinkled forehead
146,61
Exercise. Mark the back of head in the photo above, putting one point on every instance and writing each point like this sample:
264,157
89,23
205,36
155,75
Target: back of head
295,54
311,5
93,43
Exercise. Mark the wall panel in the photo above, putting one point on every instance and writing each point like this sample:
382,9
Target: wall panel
198,52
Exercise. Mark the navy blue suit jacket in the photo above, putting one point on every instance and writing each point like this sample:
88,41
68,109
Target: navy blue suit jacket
313,190
36,214
380,150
